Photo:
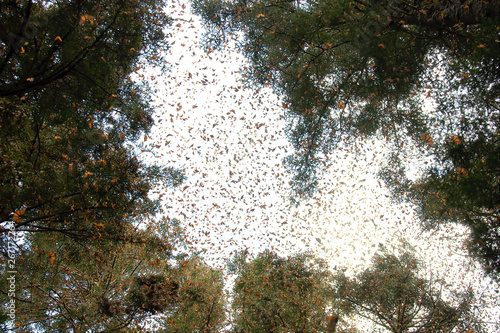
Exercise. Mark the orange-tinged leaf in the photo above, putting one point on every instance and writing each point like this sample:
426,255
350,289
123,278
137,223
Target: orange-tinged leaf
58,38
381,45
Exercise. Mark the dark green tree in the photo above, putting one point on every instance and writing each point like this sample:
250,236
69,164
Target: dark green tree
462,186
70,112
73,188
201,306
66,286
276,294
392,294
351,69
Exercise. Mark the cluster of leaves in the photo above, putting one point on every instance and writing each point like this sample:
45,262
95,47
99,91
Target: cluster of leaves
109,286
276,294
201,306
69,110
350,69
392,294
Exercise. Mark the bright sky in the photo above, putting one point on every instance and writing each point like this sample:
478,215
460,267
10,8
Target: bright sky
231,143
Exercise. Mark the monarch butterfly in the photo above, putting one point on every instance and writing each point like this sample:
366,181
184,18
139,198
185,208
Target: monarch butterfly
331,322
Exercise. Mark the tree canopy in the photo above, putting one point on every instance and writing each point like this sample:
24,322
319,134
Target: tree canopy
299,293
393,294
70,110
351,69
276,294
74,192
66,285
82,244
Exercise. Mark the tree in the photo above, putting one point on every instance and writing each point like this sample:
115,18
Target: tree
275,294
93,43
463,186
201,306
392,294
66,284
135,286
73,188
351,69
69,111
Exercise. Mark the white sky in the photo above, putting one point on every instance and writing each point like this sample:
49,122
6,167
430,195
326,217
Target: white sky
231,143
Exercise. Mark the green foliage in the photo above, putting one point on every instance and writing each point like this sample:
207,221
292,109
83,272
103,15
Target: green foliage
63,285
83,183
69,110
73,190
467,189
201,306
393,294
66,285
275,294
61,43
